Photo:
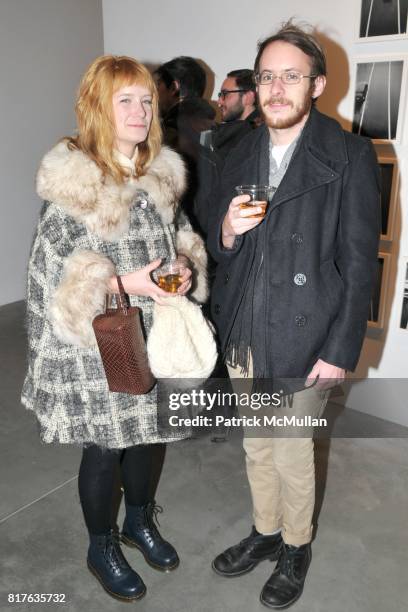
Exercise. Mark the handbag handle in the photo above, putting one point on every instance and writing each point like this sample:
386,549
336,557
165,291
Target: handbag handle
120,298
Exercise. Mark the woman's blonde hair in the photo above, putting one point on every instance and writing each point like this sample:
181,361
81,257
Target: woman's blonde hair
94,111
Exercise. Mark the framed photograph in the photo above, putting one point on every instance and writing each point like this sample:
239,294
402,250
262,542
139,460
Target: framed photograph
382,19
389,195
376,314
404,310
380,84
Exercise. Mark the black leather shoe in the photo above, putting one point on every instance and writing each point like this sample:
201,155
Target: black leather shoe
246,555
139,530
107,563
285,586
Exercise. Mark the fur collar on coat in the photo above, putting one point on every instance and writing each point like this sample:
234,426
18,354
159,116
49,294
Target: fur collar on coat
73,181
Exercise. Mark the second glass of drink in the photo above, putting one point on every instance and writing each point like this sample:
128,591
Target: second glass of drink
168,275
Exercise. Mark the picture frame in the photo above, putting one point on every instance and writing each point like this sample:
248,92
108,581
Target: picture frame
376,314
379,20
380,83
404,305
389,195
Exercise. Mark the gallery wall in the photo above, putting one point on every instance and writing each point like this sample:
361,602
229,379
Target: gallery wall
45,46
224,35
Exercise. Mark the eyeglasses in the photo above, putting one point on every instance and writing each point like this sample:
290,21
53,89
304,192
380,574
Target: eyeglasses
288,77
224,92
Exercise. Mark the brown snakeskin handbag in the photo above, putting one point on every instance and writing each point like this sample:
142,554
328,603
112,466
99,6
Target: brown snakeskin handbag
122,347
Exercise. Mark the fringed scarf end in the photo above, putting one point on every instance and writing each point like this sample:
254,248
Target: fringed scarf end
238,356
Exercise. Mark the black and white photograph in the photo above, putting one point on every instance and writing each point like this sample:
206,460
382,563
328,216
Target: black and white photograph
382,18
404,310
376,314
389,195
378,103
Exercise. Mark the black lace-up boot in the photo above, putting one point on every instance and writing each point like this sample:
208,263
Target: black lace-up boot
139,530
107,563
285,586
246,555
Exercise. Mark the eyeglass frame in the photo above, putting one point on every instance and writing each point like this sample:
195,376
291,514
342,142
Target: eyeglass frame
279,76
224,92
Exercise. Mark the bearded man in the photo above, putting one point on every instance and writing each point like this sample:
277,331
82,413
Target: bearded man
292,288
237,99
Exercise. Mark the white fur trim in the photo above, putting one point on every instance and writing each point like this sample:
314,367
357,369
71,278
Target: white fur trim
192,246
165,183
72,180
80,297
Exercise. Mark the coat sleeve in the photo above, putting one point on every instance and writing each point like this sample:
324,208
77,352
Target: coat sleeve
356,258
80,296
190,244
221,196
66,285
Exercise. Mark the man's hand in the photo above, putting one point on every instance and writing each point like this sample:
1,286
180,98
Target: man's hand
328,375
238,220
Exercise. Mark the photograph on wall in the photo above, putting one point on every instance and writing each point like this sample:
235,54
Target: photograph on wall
383,18
378,103
404,311
376,314
389,195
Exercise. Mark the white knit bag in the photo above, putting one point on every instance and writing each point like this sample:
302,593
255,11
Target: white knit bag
181,342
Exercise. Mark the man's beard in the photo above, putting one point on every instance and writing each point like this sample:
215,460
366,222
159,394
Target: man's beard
297,114
234,112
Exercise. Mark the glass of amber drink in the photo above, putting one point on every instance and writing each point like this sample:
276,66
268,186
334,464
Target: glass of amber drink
169,275
260,196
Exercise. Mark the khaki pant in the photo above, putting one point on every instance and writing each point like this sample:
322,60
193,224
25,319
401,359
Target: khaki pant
281,472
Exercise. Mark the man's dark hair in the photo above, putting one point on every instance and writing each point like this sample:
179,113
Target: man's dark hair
188,72
307,43
244,78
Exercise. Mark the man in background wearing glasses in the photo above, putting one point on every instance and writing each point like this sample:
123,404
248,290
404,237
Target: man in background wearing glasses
240,115
237,97
292,289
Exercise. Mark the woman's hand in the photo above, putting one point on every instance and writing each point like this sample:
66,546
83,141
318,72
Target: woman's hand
139,282
186,277
186,280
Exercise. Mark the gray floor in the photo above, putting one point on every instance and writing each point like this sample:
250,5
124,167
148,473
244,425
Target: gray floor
360,554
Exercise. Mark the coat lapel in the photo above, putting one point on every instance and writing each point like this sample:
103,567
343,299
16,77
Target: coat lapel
313,166
305,173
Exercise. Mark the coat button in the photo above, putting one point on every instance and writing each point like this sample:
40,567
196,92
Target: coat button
299,279
300,320
226,279
297,238
217,308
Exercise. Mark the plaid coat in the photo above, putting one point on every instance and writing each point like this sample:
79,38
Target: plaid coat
88,230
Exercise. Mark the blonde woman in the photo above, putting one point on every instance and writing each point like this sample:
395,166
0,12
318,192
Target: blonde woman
110,207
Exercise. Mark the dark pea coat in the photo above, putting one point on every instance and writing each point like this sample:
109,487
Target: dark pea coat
323,231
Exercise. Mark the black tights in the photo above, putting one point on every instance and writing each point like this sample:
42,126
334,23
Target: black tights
101,469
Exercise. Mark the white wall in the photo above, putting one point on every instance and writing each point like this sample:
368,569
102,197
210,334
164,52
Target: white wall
45,46
224,34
